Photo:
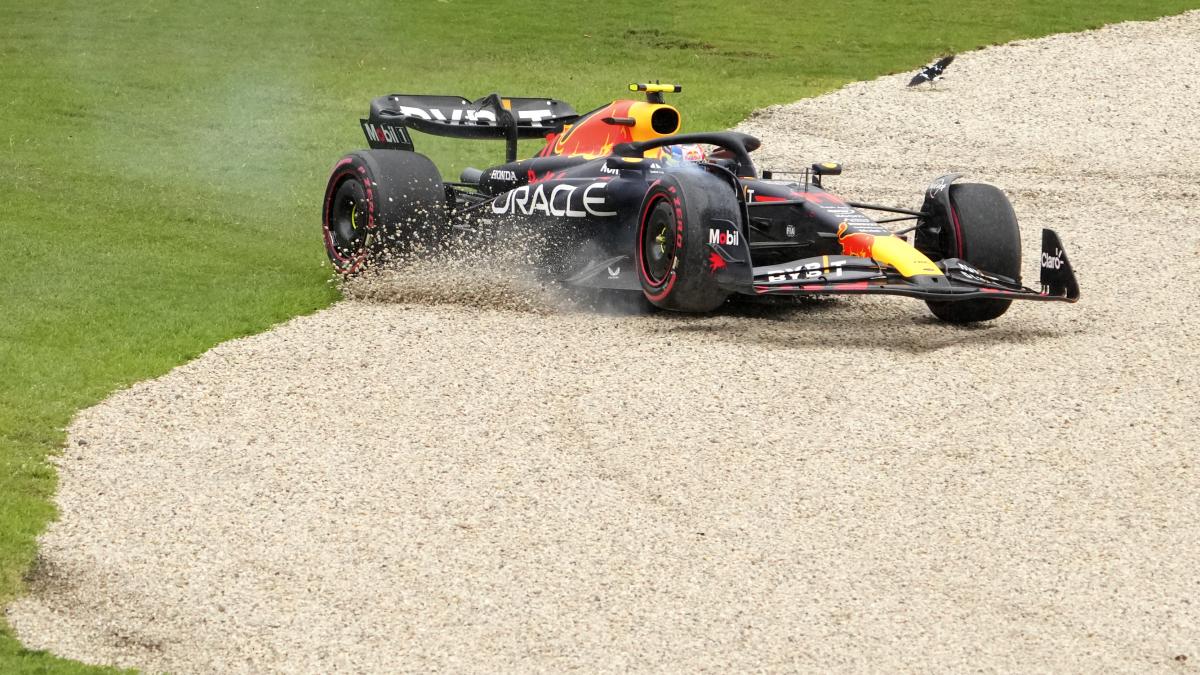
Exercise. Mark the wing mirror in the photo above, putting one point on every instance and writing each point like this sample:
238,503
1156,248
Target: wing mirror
825,169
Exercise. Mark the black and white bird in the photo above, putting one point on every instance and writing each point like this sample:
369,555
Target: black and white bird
932,72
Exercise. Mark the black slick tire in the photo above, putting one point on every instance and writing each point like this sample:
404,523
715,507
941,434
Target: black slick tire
673,257
380,203
983,231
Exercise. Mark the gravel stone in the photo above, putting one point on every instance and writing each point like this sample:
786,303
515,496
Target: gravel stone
401,483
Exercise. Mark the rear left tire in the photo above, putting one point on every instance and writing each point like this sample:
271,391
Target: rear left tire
380,203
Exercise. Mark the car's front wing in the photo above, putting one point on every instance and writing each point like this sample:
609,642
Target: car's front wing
839,274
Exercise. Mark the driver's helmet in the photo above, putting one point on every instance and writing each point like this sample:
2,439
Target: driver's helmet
678,154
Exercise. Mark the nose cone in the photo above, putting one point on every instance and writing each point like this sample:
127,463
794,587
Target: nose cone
887,249
907,260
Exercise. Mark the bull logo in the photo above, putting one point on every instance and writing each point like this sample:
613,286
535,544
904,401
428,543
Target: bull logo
857,244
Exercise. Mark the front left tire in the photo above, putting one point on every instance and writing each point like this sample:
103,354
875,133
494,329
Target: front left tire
677,218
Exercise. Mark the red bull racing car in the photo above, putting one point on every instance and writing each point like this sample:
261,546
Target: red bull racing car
619,199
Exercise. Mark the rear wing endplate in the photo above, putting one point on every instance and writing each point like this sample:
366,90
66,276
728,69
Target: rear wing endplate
491,117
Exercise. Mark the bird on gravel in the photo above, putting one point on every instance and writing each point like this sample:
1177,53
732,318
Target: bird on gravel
932,72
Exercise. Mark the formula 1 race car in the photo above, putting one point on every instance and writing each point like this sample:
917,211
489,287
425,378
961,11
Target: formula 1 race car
618,199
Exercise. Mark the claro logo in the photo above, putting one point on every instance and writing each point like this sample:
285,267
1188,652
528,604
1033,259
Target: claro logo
1052,262
572,201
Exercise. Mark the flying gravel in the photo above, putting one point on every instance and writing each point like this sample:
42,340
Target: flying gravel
932,72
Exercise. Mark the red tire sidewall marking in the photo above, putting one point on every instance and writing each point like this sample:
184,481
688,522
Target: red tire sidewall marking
661,289
340,174
958,241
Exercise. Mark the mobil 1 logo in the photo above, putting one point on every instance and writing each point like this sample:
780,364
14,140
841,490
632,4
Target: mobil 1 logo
383,136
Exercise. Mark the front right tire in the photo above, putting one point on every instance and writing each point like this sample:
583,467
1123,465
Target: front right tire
983,231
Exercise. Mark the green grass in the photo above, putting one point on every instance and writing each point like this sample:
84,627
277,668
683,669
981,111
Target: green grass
162,162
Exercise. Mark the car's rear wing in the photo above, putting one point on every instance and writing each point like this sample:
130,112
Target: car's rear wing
492,116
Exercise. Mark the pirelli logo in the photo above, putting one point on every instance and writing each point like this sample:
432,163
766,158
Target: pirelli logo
386,136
